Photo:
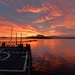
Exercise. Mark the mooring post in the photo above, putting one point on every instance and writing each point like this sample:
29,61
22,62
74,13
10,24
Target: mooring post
27,47
3,44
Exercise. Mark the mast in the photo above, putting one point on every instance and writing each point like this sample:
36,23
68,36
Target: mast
16,38
11,37
21,39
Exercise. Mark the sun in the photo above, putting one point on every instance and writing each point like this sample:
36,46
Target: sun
40,26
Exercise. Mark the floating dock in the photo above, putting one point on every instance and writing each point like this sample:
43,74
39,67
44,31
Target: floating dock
15,60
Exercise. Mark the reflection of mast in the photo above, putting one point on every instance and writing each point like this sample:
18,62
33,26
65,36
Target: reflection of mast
16,38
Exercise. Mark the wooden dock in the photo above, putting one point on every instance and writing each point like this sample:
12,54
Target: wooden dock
15,60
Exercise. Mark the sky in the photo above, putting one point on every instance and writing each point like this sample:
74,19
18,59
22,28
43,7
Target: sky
33,17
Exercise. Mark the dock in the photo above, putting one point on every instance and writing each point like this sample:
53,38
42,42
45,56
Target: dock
15,60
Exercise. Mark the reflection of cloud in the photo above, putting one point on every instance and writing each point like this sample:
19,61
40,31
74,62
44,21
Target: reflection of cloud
69,57
45,63
44,56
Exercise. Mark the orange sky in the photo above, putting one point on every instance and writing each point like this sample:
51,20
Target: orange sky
54,17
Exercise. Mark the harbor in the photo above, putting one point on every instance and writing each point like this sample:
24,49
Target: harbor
37,37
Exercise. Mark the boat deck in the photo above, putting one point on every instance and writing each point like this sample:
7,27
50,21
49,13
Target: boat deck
14,61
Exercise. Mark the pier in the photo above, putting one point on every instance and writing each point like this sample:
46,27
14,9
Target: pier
15,60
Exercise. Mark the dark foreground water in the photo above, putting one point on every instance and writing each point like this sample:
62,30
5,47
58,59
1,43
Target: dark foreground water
53,56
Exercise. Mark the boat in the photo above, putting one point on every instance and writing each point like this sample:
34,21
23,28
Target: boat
15,60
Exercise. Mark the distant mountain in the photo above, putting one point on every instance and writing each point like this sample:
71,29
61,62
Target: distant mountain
63,37
39,37
51,37
67,35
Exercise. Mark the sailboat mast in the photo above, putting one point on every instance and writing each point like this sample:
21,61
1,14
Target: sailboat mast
21,39
16,38
11,36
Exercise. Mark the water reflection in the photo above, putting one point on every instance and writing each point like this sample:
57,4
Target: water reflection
46,63
54,56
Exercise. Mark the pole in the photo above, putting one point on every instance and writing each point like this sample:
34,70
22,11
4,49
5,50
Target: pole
21,39
11,37
16,38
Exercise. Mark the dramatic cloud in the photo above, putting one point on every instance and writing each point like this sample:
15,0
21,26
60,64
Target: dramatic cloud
26,30
43,19
29,9
46,8
32,17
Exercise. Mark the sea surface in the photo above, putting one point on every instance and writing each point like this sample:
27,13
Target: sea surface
50,56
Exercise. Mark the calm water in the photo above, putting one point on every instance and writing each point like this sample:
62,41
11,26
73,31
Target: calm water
55,56
52,56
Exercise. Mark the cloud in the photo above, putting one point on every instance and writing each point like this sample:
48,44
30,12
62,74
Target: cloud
52,9
6,25
46,8
62,30
29,9
4,3
68,22
56,13
11,0
48,17
39,20
25,29
43,19
53,32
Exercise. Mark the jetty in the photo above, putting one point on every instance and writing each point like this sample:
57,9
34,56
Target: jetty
15,60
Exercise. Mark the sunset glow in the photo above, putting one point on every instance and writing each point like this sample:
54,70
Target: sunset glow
33,17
